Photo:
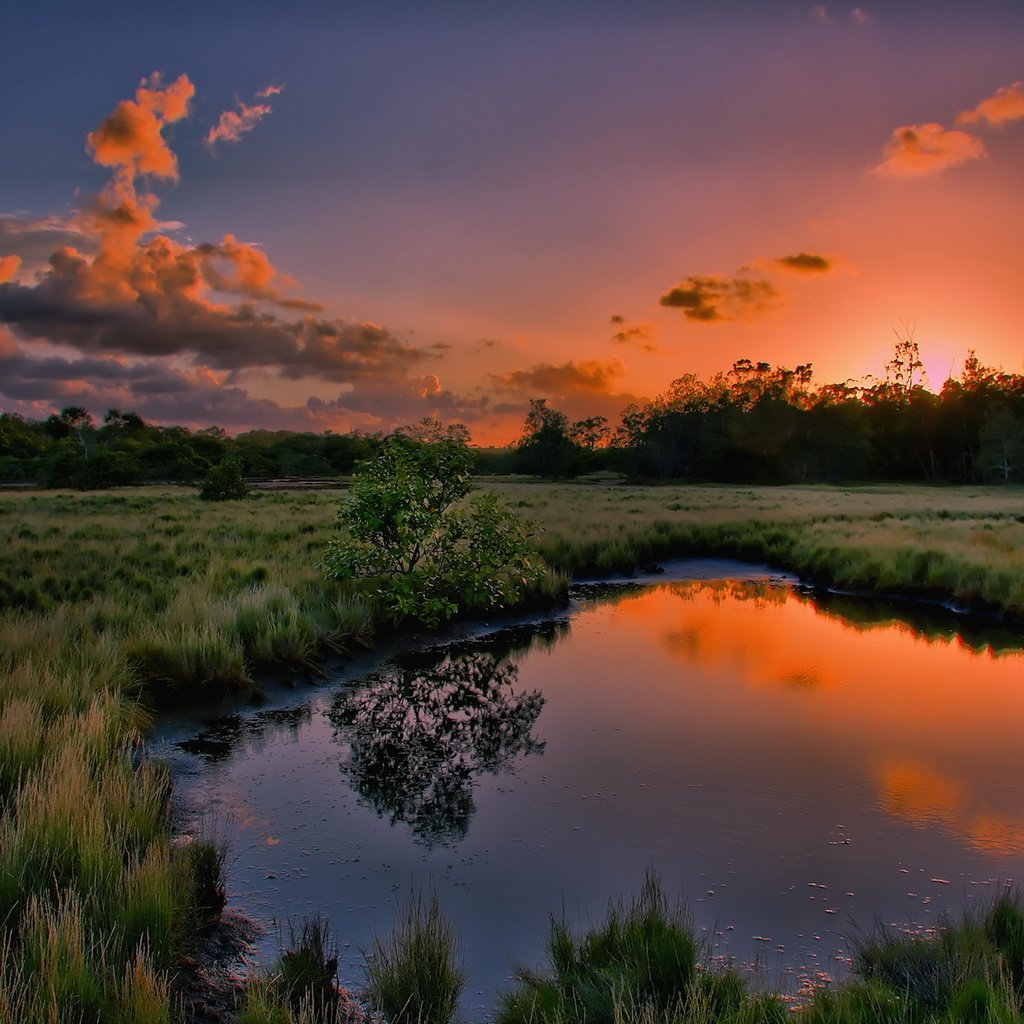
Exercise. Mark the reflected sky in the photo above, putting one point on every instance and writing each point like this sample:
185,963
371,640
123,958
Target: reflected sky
796,772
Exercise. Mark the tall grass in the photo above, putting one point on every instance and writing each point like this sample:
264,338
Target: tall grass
642,957
109,603
302,987
415,974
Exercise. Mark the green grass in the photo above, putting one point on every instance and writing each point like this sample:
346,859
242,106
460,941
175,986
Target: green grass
111,603
415,975
644,955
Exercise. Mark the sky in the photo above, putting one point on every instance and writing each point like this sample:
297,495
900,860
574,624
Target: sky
340,215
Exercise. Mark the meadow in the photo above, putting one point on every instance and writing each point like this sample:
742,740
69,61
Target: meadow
113,605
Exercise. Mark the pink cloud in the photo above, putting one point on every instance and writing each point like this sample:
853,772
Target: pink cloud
233,124
919,150
1004,105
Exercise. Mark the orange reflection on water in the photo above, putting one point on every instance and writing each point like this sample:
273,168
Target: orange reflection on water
933,725
924,796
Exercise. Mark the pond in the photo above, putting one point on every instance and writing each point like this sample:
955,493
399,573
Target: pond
796,768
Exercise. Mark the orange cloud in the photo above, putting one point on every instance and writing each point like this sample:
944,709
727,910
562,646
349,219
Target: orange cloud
713,297
918,150
233,124
242,269
8,267
1004,105
587,375
131,137
269,90
151,323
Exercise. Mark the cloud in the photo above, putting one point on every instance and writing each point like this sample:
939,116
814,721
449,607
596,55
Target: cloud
712,298
1004,105
241,268
917,150
8,267
185,333
823,16
159,392
33,239
805,263
132,137
151,296
639,335
167,315
585,376
233,124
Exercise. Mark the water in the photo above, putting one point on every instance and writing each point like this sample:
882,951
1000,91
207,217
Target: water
795,770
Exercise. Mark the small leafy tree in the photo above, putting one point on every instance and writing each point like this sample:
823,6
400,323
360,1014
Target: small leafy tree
432,556
224,482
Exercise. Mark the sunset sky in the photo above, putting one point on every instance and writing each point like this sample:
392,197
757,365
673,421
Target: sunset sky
335,215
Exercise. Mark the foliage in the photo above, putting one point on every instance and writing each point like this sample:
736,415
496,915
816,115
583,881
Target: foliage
302,987
643,955
432,557
969,972
415,974
224,482
752,423
87,866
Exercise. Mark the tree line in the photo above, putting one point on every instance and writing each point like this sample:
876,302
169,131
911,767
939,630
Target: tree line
755,423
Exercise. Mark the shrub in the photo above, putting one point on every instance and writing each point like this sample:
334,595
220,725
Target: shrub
224,482
431,558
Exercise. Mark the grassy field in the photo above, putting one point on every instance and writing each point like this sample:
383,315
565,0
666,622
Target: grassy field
113,603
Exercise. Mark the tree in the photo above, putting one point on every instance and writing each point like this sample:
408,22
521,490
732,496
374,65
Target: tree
430,557
1002,445
225,482
546,448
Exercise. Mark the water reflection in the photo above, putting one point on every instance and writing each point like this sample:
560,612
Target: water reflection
941,756
791,766
419,731
926,797
220,736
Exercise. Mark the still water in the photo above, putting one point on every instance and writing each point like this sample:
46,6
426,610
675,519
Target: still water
795,770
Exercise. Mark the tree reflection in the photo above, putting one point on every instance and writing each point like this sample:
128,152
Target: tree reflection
419,731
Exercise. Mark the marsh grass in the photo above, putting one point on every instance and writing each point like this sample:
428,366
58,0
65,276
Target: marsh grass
644,955
302,987
971,971
110,603
415,973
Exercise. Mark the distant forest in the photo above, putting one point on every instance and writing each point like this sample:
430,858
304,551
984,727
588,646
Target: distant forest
753,424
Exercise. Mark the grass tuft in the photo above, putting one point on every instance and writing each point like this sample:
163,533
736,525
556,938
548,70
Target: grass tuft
415,974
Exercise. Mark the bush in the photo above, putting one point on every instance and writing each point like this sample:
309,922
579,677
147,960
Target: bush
224,482
432,559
